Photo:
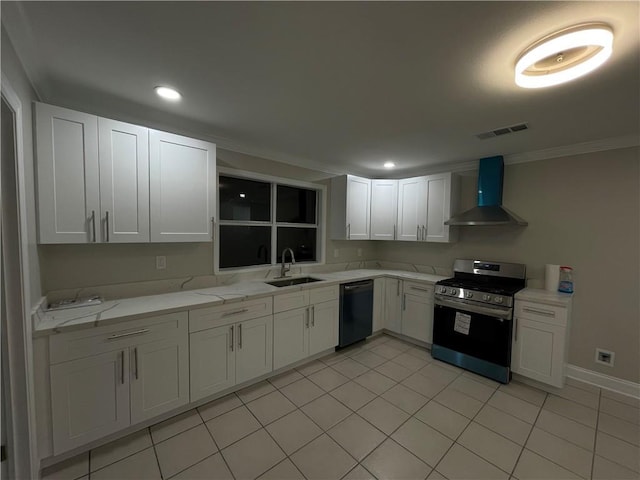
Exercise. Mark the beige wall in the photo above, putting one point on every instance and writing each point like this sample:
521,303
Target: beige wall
13,71
582,211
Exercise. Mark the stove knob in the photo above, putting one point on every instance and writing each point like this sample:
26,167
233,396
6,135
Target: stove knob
442,289
498,299
469,295
453,291
486,298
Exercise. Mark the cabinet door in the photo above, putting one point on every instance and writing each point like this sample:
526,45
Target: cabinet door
89,399
159,377
438,207
412,213
290,337
417,317
212,361
124,181
182,188
537,351
393,305
323,332
358,208
68,176
384,209
254,354
378,304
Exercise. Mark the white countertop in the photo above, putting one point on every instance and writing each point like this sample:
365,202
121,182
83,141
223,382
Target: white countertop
114,311
544,296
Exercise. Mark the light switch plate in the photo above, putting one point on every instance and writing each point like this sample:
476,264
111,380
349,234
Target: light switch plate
161,262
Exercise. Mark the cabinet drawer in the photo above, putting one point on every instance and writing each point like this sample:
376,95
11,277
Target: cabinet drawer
290,301
93,341
541,313
219,315
324,294
420,289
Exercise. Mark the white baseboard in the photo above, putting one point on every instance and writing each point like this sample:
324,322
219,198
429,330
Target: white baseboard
601,380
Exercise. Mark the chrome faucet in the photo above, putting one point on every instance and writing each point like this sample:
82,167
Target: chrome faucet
284,269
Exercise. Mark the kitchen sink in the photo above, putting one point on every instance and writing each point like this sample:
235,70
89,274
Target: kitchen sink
287,282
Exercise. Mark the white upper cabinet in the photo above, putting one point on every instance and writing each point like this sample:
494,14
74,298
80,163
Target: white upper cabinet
384,205
412,208
350,208
182,188
68,175
124,181
442,194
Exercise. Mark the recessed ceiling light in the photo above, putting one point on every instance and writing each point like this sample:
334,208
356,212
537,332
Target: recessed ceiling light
168,93
564,55
389,164
242,195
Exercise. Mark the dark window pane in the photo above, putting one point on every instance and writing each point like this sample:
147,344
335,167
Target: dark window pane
296,205
301,240
245,200
241,246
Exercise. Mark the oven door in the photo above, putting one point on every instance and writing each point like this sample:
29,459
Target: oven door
475,337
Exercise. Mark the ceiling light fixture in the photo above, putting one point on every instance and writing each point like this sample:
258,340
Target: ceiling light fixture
168,93
564,55
389,165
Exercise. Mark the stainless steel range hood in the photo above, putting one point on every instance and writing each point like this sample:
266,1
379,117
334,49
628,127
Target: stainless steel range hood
489,210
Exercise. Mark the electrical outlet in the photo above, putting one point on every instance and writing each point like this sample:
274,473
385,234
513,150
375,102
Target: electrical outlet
336,253
605,357
161,262
359,252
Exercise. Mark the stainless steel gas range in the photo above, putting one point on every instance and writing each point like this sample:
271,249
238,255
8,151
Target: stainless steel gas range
473,316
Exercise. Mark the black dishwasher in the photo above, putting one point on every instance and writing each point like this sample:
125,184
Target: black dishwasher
356,311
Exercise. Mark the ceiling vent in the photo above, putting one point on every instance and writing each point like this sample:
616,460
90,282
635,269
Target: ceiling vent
502,131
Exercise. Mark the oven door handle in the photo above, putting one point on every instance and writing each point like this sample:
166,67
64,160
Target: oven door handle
504,314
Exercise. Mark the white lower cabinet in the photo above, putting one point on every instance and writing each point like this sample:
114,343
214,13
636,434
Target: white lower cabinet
408,308
224,352
540,340
310,328
137,371
417,312
90,399
393,305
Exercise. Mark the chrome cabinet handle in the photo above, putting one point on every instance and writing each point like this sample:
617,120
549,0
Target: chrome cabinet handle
420,289
231,338
313,315
417,232
306,317
213,227
122,367
236,312
424,233
546,313
128,334
404,302
106,218
135,362
240,335
394,232
515,328
348,231
93,224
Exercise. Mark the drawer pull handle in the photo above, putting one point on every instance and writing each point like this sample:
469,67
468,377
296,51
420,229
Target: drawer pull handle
93,225
240,336
306,317
231,338
235,312
313,315
128,334
546,313
135,361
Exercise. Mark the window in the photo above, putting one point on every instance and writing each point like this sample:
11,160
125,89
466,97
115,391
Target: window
261,216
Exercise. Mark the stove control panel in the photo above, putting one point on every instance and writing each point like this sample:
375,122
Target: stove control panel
474,295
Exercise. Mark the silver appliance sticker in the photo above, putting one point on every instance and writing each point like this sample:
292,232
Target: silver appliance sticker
463,322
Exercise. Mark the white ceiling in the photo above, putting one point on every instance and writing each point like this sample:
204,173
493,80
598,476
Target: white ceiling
340,87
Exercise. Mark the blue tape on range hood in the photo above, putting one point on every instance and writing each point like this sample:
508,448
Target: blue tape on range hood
490,177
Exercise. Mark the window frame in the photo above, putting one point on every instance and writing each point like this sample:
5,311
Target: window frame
320,225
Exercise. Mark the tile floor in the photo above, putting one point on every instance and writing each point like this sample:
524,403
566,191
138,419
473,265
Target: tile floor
384,410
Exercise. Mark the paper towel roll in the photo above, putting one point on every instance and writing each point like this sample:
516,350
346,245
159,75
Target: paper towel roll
551,277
